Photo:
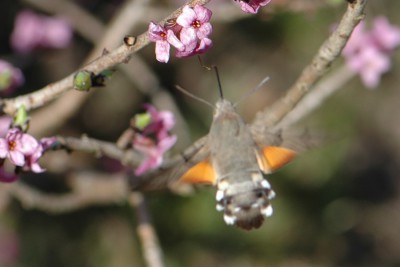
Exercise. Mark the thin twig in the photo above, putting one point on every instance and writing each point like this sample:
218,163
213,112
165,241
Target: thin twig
87,189
152,252
321,62
128,157
317,96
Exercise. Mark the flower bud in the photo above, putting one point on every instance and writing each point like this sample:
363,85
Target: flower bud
142,120
21,119
83,80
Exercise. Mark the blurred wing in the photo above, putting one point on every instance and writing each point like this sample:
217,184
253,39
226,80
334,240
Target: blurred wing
276,149
201,173
298,141
183,167
272,158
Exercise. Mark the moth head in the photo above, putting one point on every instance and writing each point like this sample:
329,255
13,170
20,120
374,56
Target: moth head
223,106
246,205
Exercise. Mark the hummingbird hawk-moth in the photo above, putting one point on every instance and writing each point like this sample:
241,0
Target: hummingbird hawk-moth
234,159
235,164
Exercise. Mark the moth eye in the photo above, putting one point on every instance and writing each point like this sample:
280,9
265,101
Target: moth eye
260,194
227,201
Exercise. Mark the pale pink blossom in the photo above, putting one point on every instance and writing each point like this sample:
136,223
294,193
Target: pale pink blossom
16,145
32,160
161,122
368,51
189,34
195,31
164,39
154,140
386,36
370,63
196,20
153,152
252,6
33,31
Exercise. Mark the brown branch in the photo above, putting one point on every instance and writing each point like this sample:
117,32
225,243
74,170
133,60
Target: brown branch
86,189
148,238
128,157
54,90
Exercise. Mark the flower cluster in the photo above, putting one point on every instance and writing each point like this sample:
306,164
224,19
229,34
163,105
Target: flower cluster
252,6
21,149
368,51
189,34
10,78
33,31
152,137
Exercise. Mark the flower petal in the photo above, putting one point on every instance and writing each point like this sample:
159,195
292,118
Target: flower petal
27,144
17,158
187,16
155,31
204,31
174,41
203,14
3,148
162,51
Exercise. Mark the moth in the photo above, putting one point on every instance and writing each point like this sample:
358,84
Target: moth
235,165
235,160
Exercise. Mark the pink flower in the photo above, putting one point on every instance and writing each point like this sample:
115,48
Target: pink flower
22,150
385,35
195,21
163,39
32,160
153,152
195,30
16,145
368,52
161,122
252,6
33,31
370,63
154,140
10,78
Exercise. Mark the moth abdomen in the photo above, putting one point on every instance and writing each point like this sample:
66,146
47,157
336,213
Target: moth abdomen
245,204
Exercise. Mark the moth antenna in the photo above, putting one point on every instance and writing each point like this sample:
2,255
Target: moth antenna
194,97
252,91
221,95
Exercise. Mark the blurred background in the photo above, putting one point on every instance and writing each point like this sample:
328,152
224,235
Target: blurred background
336,205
